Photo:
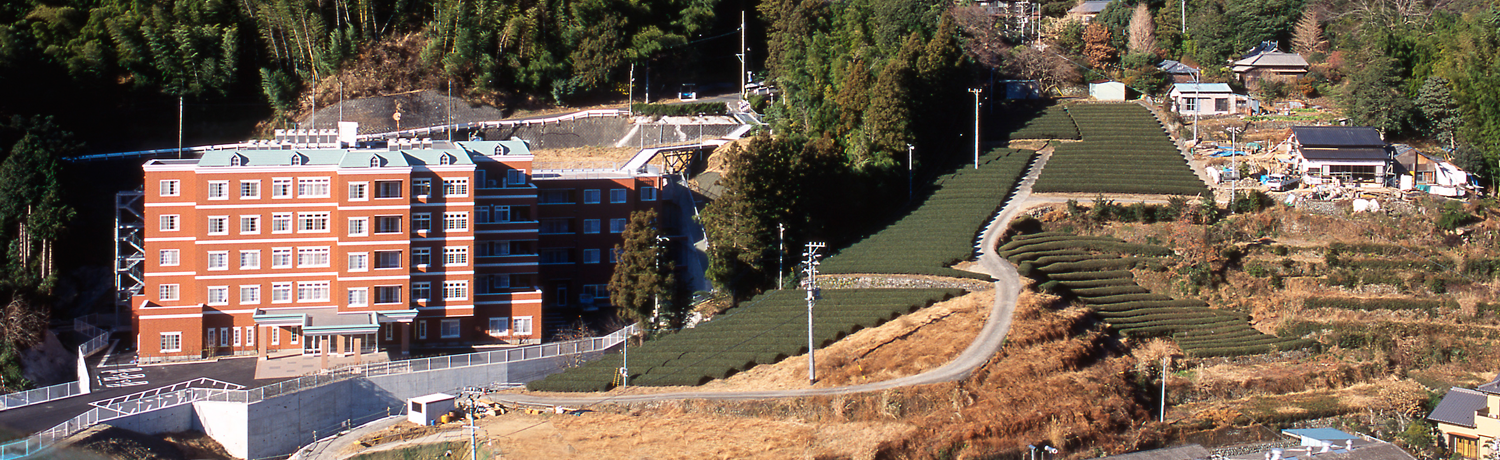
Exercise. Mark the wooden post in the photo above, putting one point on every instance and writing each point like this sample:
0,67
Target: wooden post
322,352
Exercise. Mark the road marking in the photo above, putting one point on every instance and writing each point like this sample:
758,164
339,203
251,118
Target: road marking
115,371
126,384
126,377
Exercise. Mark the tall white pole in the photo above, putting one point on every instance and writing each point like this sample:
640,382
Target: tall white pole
179,127
780,255
1184,17
744,55
909,149
1196,109
630,99
1234,166
812,289
976,126
1163,389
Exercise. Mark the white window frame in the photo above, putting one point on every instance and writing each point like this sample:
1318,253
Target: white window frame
313,222
519,321
249,190
217,295
359,191
314,187
618,195
455,256
281,222
591,256
252,222
504,326
250,294
591,196
168,292
482,214
425,253
617,225
358,297
450,323
421,221
286,255
458,187
250,259
217,225
168,222
275,333
502,214
359,261
169,257
313,291
249,336
281,187
455,221
316,257
591,226
169,187
218,190
422,329
359,226
236,336
223,336
286,290
217,260
455,290
515,177
648,193
174,338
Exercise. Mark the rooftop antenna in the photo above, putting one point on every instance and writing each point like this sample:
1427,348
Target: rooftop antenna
812,295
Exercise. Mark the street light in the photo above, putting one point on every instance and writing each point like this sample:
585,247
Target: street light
976,125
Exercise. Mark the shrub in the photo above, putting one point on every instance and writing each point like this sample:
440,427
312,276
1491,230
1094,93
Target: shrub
1347,303
680,110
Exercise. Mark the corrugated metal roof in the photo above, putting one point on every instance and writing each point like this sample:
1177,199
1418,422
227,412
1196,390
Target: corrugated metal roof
1188,452
1174,67
1188,88
1090,7
1337,136
1458,407
1492,388
1273,59
1322,434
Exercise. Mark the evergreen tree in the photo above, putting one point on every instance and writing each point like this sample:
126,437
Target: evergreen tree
1372,97
1439,111
642,284
33,216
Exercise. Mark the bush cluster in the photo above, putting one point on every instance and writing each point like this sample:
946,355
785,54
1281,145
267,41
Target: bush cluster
680,110
1349,303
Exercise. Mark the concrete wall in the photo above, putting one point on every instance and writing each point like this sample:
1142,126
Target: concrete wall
169,420
223,421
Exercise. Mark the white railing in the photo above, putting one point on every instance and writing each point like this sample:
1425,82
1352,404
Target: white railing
98,339
494,124
206,389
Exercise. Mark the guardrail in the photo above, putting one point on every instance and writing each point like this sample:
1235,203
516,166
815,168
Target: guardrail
206,389
428,130
98,339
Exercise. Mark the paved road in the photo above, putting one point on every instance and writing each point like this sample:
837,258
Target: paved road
31,419
988,342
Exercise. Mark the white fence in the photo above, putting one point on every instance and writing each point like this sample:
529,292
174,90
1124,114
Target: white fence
98,339
206,389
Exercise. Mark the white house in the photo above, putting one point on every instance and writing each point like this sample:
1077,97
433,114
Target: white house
1429,173
1338,154
1205,99
1107,91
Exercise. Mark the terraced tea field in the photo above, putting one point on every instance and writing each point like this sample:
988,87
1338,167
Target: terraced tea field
765,330
1052,123
941,231
1124,150
1097,271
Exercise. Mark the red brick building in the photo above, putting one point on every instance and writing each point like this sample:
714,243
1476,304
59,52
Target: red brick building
344,251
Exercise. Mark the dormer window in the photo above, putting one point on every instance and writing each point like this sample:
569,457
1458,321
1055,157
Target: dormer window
374,162
296,159
445,159
234,160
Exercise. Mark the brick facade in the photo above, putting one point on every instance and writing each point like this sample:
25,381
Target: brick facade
336,249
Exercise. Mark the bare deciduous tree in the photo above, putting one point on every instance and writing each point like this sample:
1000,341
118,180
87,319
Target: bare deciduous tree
1308,37
1142,30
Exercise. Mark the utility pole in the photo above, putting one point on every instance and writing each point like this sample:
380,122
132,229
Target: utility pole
1163,389
448,104
1234,167
1184,17
1196,88
780,255
744,55
630,99
812,295
909,149
976,125
341,100
179,127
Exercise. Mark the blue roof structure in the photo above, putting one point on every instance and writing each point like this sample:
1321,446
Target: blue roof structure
1321,434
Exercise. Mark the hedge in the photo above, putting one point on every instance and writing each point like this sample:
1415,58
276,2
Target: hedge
680,110
1349,303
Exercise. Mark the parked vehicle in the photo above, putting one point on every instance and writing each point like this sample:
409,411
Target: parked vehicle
1281,182
689,92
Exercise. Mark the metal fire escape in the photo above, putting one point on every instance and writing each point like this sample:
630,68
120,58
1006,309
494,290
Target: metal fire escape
130,248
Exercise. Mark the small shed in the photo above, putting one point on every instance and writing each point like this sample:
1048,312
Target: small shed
1319,437
1107,91
425,410
1205,99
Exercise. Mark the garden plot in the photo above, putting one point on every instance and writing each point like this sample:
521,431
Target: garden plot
1124,150
1096,270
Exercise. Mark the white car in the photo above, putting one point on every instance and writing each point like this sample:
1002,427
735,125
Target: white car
1281,182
